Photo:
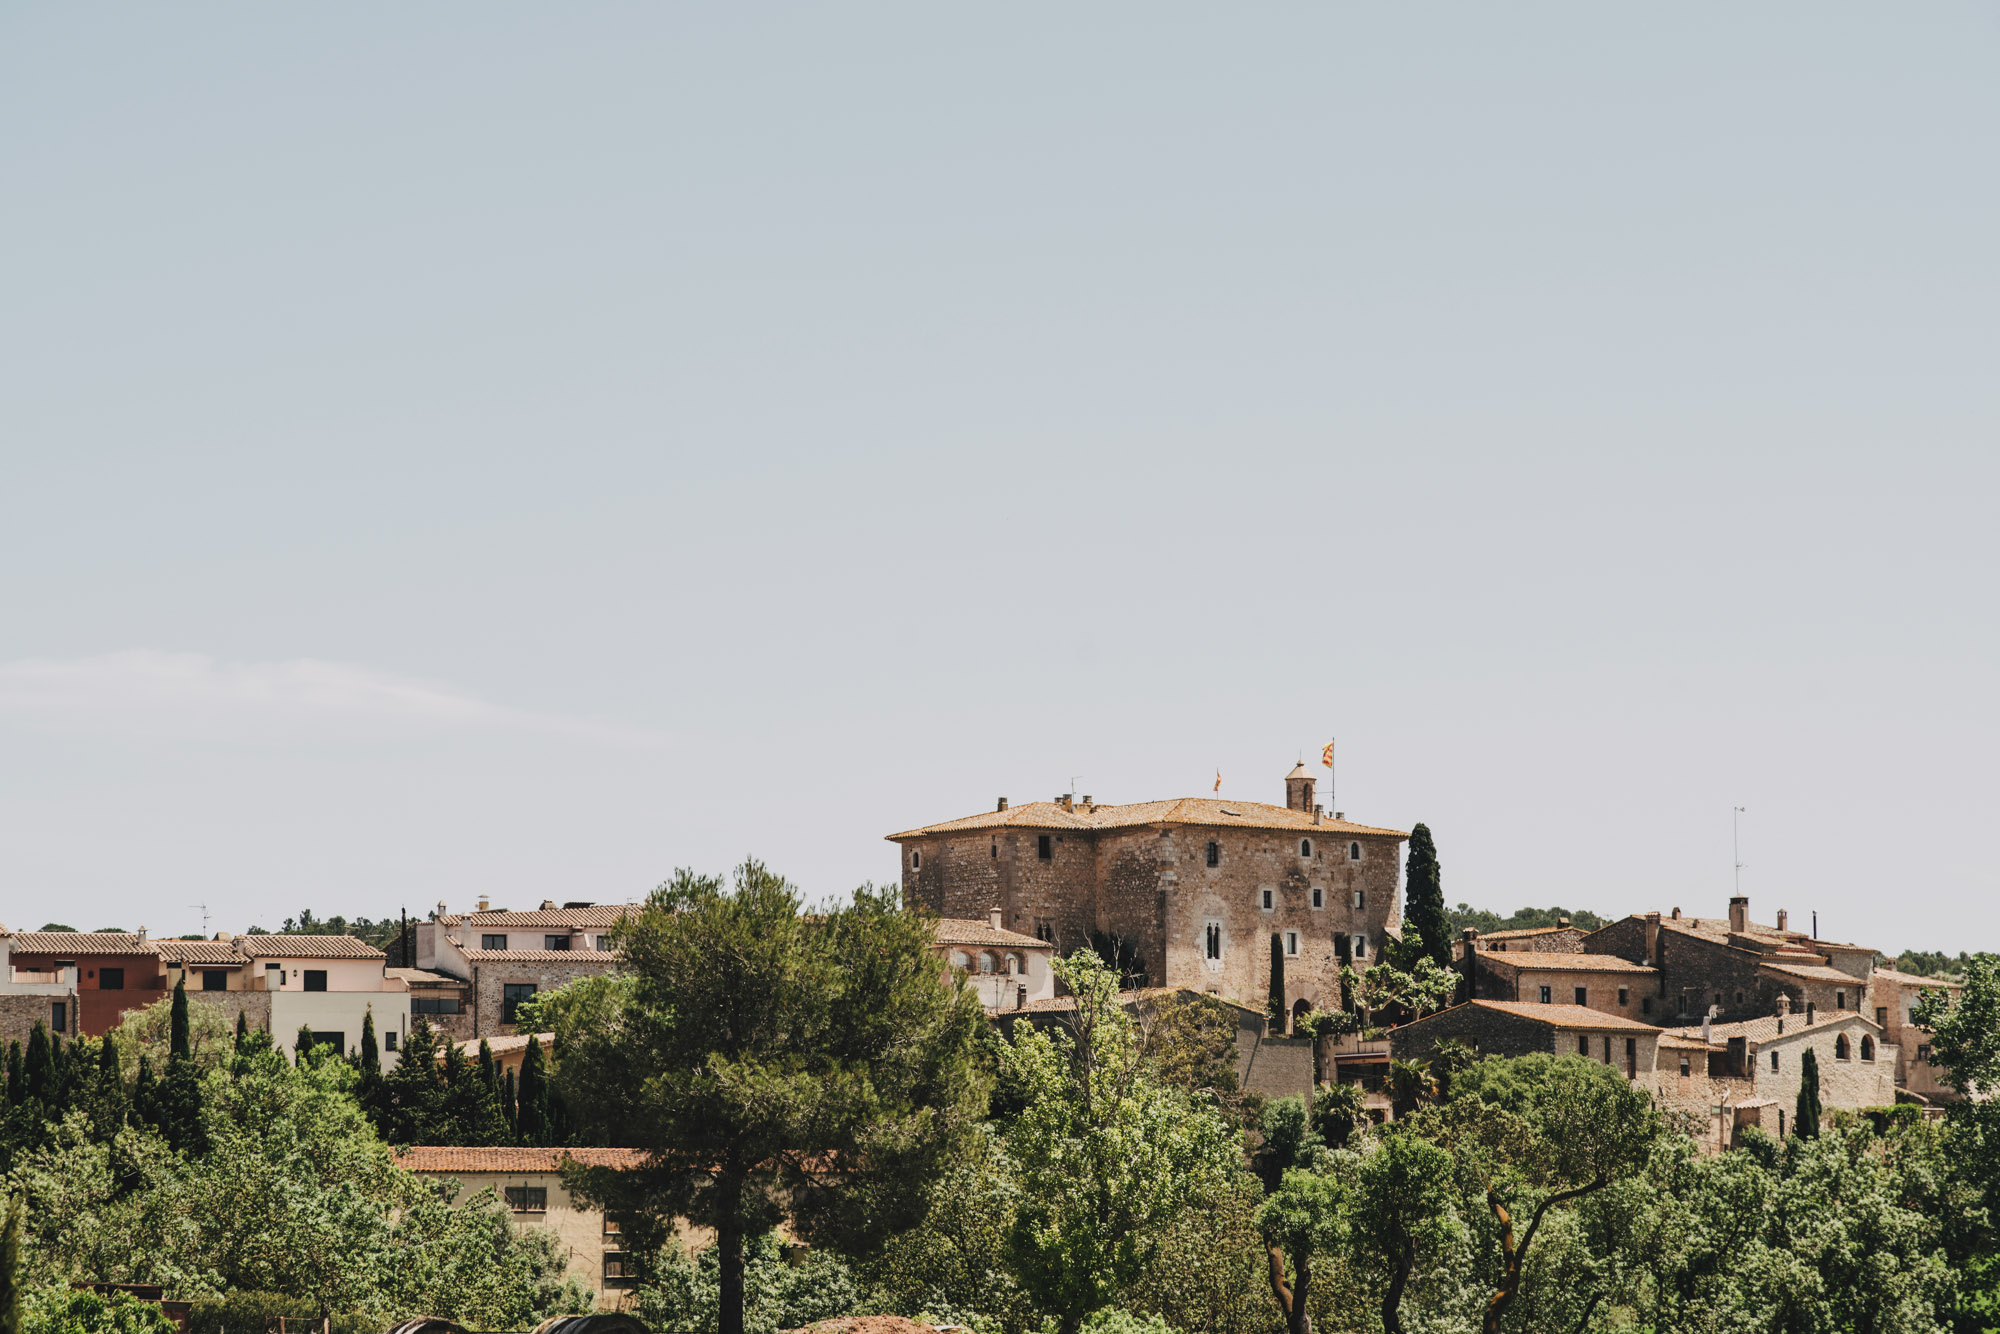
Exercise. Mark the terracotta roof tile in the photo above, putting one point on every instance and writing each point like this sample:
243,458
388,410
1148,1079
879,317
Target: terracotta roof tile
511,1042
1812,972
1555,962
1766,1028
1203,811
1913,980
542,956
1521,933
81,942
444,1159
280,945
1558,1016
199,951
425,977
971,931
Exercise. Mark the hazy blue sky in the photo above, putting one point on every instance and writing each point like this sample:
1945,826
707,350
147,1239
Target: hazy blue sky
451,450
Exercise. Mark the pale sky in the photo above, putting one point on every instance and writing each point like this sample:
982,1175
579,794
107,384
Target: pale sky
514,450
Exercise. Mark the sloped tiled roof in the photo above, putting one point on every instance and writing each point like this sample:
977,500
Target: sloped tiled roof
1902,979
1552,961
500,1046
1522,933
1558,1016
970,931
222,952
1205,811
542,956
606,915
81,942
282,945
507,1159
1811,972
424,977
1766,1028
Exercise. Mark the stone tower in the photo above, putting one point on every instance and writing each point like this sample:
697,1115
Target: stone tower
1299,788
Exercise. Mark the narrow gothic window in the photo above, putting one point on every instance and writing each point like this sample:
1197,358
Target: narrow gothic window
996,849
1354,852
1867,1047
1214,934
916,860
1214,853
1266,898
1305,847
1774,1060
1839,1000
1841,1050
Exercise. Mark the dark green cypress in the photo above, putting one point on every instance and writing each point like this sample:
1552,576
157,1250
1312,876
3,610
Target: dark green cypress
40,1071
10,1266
488,1075
1805,1123
145,1094
179,1046
17,1087
533,1113
1276,1004
242,1025
302,1044
371,1055
1423,897
509,1103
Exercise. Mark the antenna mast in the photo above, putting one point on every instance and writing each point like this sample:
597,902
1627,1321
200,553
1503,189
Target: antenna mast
1736,843
204,917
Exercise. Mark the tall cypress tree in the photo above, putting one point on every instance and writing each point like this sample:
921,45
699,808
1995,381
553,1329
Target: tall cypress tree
411,1110
1423,897
1805,1122
242,1025
510,1107
39,1070
1276,1003
488,1075
178,1045
533,1113
371,1056
10,1265
146,1094
17,1087
109,1093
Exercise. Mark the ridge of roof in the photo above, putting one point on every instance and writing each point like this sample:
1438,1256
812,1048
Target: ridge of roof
299,945
1204,811
82,942
541,956
1560,961
972,931
1554,1015
606,915
443,1158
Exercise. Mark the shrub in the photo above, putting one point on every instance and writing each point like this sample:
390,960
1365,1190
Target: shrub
81,1311
249,1312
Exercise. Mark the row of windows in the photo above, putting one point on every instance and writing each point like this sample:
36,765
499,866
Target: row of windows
1583,996
1044,849
1631,1052
988,962
1843,1050
498,940
434,1005
1355,945
1267,899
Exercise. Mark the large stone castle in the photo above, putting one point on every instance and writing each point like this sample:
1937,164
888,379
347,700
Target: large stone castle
1198,887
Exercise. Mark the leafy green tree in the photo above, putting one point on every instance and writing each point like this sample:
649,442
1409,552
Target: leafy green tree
1411,1084
767,1062
17,1083
180,1037
683,1293
10,1266
471,1108
68,1311
1423,898
371,1054
1305,1217
1805,1118
1338,1109
1403,1215
1190,1040
1106,1154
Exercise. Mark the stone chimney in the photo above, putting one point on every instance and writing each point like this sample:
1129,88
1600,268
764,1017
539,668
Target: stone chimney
483,902
548,905
1067,801
1809,1013
1783,918
1002,806
1739,913
993,918
1299,788
1653,939
1339,816
1470,935
1319,813
1677,914
142,933
1089,804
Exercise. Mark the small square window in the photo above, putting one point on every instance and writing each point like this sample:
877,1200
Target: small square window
1360,947
214,979
315,979
1045,848
1839,1000
1624,997
1582,996
1546,995
1686,1069
512,994
1214,853
111,979
555,942
389,1040
493,941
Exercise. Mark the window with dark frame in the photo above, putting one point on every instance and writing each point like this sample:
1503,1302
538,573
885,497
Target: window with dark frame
59,1017
1045,847
1867,1047
389,1040
1774,1060
493,940
1354,852
1213,940
1624,997
1546,995
1318,897
555,942
1214,853
315,979
1583,996
434,1005
214,979
528,1199
111,979
1583,1044
1292,943
1305,847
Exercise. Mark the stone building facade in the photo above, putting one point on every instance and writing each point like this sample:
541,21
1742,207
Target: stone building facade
1892,996
1197,887
1602,982
507,957
1516,1028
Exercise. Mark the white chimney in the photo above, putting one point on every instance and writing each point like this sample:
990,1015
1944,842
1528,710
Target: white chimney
994,918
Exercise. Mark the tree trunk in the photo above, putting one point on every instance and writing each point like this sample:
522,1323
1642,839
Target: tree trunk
1292,1299
1512,1256
1392,1300
729,1249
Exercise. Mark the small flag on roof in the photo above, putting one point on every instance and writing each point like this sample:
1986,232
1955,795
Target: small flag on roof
1218,780
1326,756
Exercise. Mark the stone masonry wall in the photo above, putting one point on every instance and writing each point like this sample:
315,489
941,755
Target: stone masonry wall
255,1005
1843,1085
1488,1032
1694,972
489,978
20,1013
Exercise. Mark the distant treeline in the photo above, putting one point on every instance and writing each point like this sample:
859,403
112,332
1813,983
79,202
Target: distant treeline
1925,963
1524,919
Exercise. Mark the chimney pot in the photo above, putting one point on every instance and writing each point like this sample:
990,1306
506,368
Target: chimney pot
483,902
1677,914
1809,1012
1339,815
1739,913
142,933
994,918
1319,813
1002,806
1089,801
1783,918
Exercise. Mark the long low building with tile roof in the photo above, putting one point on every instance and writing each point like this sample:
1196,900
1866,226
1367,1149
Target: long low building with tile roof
1197,892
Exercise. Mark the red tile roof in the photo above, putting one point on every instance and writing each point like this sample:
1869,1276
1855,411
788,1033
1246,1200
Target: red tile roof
542,956
280,945
454,1160
1203,811
1558,1016
222,952
81,942
971,931
1555,962
609,915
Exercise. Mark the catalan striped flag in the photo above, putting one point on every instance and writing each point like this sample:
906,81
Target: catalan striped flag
1326,755
1218,780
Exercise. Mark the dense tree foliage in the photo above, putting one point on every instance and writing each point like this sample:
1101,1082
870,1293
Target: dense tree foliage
1521,919
1428,925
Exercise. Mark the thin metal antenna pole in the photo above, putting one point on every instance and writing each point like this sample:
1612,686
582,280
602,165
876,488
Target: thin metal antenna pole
1736,844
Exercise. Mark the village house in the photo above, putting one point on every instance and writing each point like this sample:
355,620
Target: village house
505,958
1892,999
1759,1063
1518,1028
1007,969
440,999
1602,982
529,1183
29,995
1197,889
1562,938
509,1053
115,971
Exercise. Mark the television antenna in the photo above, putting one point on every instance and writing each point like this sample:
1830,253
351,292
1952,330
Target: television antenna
1736,843
203,909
